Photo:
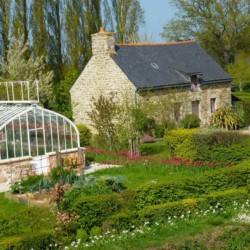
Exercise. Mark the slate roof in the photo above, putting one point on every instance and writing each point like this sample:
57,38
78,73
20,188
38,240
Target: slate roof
166,65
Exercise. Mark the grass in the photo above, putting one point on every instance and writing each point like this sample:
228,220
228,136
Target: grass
8,207
18,219
140,173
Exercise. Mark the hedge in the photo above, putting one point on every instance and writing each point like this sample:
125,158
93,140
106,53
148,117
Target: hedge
93,210
161,212
161,192
36,240
208,145
113,208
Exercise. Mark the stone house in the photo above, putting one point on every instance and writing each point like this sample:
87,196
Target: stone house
180,69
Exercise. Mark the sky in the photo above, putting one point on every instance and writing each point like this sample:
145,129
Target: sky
157,14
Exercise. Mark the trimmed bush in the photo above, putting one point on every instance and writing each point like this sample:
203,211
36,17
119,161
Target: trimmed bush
208,145
160,213
93,210
85,134
179,142
190,121
35,240
162,192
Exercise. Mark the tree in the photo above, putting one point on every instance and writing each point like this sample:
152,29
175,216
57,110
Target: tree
21,20
62,102
240,70
123,17
54,15
38,28
103,115
4,27
19,68
219,25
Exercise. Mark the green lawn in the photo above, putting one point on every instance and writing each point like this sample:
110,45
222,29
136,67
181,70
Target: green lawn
17,219
141,173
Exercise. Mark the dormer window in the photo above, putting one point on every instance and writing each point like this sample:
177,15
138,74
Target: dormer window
194,82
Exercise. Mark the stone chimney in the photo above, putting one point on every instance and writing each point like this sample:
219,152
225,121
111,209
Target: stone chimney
103,43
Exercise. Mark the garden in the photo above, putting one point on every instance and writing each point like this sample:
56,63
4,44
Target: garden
184,187
172,196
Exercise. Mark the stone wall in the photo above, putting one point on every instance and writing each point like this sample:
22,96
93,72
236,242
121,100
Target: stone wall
20,168
165,98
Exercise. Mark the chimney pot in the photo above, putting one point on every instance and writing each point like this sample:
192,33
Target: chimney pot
102,30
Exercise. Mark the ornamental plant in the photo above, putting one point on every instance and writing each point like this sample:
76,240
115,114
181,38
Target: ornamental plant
225,118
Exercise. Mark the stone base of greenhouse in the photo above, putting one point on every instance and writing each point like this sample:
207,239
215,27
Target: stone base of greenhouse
15,169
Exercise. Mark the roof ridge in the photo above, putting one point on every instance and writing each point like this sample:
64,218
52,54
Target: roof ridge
156,44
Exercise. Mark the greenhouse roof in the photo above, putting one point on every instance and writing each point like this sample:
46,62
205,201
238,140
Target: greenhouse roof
10,112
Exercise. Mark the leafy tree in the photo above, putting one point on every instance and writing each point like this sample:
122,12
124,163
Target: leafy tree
4,27
240,70
20,20
103,115
54,15
219,25
62,102
18,67
123,17
38,28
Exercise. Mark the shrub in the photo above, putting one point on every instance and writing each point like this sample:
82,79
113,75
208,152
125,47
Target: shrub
190,121
208,145
93,210
160,129
95,231
225,118
82,235
85,134
158,213
179,142
246,108
169,191
34,240
93,185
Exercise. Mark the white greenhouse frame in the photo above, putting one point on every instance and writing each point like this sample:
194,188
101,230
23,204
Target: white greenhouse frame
27,129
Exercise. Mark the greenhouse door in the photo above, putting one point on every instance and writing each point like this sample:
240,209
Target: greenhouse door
39,164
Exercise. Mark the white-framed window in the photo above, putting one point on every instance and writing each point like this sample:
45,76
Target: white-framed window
212,105
196,108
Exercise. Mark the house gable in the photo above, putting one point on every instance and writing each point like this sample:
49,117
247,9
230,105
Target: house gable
101,76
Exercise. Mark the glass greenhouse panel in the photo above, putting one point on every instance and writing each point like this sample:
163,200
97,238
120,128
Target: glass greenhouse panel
33,131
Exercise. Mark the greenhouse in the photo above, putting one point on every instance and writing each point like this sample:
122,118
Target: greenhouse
26,129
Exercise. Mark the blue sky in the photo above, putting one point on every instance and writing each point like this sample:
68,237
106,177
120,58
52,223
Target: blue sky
157,14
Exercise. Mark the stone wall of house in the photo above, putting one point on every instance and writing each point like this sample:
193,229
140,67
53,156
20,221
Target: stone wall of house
166,98
20,168
101,76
